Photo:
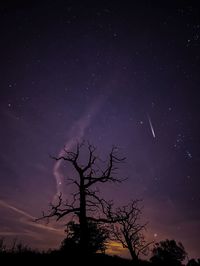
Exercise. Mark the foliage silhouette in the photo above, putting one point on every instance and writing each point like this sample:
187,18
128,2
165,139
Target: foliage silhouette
26,256
168,252
193,262
97,238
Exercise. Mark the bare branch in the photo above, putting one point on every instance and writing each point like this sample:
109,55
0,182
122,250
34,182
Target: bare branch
92,158
59,210
71,157
73,181
107,175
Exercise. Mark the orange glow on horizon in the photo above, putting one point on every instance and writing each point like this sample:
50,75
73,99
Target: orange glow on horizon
115,248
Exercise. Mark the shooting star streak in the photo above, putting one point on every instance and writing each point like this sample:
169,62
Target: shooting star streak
75,135
151,126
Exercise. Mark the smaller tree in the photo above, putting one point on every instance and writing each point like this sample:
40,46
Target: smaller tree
193,262
168,252
129,231
97,237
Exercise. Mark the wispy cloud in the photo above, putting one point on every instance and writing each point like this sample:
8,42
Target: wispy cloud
76,134
28,219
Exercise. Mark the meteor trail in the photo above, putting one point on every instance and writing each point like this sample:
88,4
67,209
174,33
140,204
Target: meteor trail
151,126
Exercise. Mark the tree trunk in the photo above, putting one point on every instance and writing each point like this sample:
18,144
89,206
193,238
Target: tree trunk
84,245
133,254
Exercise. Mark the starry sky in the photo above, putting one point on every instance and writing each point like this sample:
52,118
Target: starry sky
113,73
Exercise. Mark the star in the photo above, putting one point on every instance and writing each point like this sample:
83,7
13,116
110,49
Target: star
189,155
155,235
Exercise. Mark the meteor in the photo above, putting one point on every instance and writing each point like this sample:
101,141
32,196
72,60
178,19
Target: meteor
151,126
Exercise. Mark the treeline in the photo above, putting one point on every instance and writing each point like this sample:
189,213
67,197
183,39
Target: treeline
164,253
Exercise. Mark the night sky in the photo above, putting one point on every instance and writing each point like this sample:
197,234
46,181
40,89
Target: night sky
113,73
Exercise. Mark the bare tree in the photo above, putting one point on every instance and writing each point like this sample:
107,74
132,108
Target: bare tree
129,231
86,204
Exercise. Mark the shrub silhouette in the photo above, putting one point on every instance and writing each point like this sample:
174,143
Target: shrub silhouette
193,262
97,238
168,252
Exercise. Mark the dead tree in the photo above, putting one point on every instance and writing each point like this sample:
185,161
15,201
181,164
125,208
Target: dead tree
129,231
86,203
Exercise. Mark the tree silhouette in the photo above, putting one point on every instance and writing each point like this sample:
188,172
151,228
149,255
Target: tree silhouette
129,231
97,237
193,262
2,245
86,204
168,252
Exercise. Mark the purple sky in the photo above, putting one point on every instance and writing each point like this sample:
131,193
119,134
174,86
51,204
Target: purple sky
108,73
